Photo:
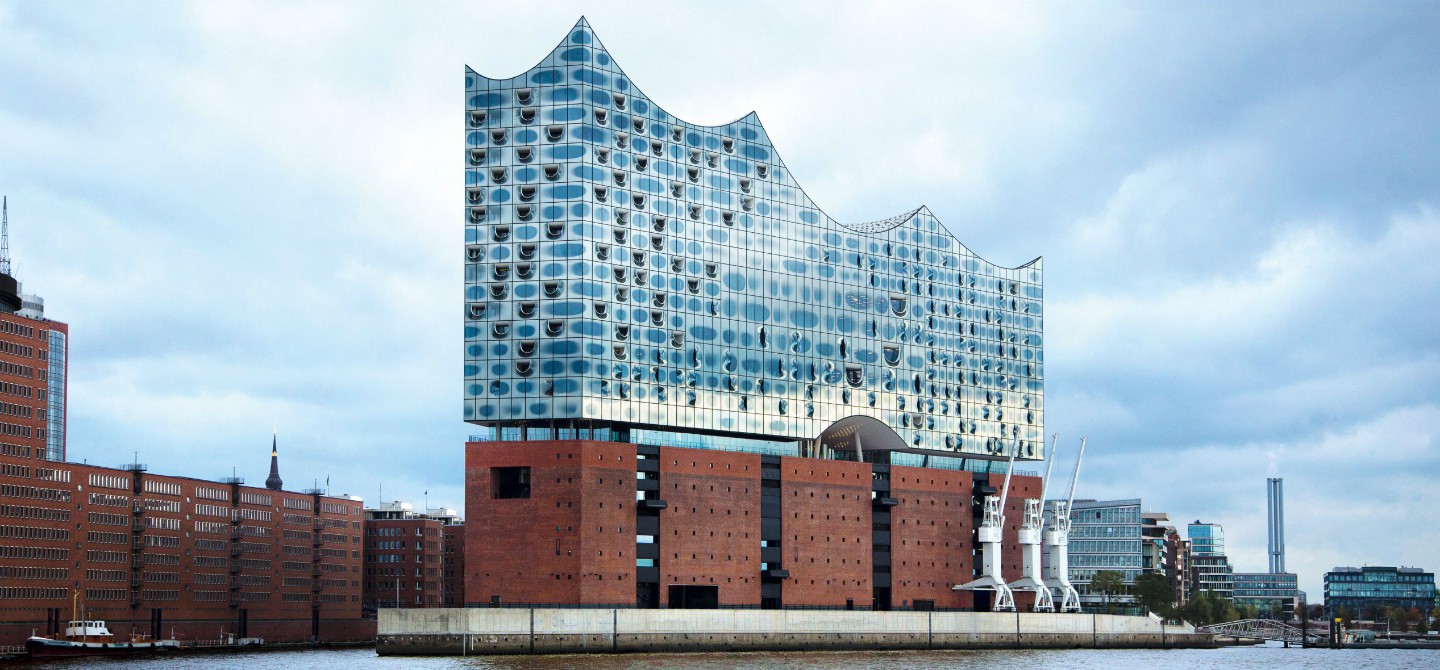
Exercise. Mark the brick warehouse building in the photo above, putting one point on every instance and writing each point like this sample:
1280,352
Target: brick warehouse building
693,388
164,555
612,524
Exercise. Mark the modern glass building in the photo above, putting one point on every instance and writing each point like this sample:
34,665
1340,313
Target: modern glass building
1378,586
1105,535
1210,568
1266,590
634,277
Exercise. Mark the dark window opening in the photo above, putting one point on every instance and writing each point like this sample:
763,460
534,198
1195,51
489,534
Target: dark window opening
510,482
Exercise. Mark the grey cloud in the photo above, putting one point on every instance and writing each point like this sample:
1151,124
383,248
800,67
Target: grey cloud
248,215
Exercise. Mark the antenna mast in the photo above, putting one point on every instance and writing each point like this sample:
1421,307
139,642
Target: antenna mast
5,235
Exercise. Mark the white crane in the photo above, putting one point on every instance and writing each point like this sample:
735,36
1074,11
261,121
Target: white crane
1057,546
1030,577
992,529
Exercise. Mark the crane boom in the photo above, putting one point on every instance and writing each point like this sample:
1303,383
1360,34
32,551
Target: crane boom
1045,483
1076,477
1009,470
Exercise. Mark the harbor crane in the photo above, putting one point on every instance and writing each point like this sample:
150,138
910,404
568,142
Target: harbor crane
1030,529
1057,545
992,529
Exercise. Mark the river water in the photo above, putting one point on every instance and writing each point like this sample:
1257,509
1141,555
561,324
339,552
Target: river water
1269,657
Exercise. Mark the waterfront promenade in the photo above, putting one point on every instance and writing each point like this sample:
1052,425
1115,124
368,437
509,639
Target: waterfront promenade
560,631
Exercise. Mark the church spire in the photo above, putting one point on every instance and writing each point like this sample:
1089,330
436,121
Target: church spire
273,481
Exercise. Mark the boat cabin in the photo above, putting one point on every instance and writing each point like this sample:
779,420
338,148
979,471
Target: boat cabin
87,629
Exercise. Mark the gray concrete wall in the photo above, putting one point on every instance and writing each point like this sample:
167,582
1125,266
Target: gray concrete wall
549,631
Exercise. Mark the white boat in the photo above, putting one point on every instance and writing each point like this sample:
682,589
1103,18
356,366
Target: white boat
92,638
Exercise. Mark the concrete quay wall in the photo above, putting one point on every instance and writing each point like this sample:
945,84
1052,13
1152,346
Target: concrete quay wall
456,632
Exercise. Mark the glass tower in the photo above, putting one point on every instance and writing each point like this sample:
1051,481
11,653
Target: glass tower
1210,568
630,273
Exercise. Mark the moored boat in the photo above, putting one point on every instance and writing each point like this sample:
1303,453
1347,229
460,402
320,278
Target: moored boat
92,638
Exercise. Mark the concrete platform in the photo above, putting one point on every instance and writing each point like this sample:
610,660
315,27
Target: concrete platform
455,632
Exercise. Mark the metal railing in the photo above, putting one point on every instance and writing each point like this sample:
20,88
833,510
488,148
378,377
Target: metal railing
1261,629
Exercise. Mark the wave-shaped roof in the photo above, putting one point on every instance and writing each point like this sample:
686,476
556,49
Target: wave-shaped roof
582,46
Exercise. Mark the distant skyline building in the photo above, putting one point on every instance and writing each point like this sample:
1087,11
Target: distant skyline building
1374,586
1275,506
1266,590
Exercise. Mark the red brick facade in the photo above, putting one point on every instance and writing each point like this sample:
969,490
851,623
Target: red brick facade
165,555
24,385
572,539
403,563
452,565
710,531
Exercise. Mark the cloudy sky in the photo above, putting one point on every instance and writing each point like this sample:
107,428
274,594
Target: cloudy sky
251,217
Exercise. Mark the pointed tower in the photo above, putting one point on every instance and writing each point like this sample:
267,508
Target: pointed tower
273,482
9,288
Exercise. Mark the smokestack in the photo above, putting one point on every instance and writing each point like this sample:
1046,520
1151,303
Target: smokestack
1275,504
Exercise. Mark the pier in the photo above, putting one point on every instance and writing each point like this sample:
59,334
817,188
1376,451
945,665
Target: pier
457,632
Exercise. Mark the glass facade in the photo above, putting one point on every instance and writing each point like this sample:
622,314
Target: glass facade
1104,535
1210,568
1206,539
1378,586
55,399
1266,590
627,271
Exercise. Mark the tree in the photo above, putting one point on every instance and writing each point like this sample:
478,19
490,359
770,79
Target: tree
1345,614
1206,608
1153,591
1109,583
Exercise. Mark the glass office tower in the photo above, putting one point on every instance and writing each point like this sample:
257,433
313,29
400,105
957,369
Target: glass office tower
634,277
1210,568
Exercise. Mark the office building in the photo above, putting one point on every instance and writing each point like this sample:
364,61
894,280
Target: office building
403,551
1269,592
1363,590
1105,535
1210,568
654,293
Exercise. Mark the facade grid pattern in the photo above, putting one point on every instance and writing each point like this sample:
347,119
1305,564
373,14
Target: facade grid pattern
625,269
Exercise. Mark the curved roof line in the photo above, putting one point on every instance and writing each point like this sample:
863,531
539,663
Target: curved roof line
863,228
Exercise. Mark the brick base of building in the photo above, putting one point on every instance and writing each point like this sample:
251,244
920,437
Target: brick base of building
562,523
